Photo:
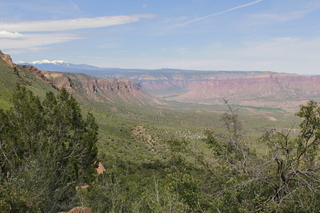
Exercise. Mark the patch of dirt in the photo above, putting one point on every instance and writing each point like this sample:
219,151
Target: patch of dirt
79,210
100,168
272,118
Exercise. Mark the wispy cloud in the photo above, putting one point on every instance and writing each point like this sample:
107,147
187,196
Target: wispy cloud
10,35
282,54
74,5
12,39
37,41
181,50
269,17
72,24
284,47
284,15
215,14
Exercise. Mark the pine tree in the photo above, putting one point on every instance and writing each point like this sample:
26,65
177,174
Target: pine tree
46,149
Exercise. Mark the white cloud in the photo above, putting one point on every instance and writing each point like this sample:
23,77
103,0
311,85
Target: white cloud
72,24
10,35
34,41
12,40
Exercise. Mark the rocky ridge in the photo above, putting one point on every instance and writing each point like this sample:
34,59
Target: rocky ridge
246,88
273,90
120,90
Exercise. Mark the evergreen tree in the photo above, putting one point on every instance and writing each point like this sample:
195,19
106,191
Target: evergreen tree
46,149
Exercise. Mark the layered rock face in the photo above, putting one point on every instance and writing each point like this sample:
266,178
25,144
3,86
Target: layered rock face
39,75
17,70
7,59
94,86
252,88
118,90
265,90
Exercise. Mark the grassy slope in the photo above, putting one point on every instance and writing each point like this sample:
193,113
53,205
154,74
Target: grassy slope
116,136
138,135
8,80
118,123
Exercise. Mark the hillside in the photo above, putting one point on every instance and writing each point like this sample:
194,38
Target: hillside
268,90
183,160
125,113
134,124
116,90
255,89
109,99
243,88
121,91
11,73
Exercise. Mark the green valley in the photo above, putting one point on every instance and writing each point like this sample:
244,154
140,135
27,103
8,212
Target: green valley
160,155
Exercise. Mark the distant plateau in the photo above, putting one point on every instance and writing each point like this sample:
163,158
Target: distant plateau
244,88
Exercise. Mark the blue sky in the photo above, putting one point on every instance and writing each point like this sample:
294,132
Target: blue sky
264,35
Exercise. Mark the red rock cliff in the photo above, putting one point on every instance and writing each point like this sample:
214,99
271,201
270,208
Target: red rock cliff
121,90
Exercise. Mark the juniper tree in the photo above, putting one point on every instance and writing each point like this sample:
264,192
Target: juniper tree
285,178
47,149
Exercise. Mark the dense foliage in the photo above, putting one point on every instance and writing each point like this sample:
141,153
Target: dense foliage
46,149
229,176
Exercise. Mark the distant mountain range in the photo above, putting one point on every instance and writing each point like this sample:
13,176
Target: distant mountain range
246,88
83,87
59,65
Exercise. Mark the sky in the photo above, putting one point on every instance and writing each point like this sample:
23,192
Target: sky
246,35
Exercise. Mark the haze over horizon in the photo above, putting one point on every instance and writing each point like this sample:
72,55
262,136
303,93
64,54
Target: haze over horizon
262,35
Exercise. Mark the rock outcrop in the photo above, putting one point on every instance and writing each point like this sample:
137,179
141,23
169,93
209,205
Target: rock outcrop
125,85
39,74
272,90
117,90
257,89
17,70
7,59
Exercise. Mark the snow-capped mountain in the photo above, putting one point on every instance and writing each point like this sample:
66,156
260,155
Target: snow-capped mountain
59,65
48,62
